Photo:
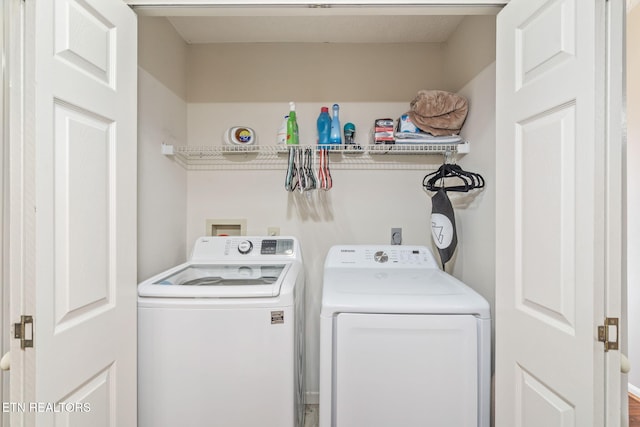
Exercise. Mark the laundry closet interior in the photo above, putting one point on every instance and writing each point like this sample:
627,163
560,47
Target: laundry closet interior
202,70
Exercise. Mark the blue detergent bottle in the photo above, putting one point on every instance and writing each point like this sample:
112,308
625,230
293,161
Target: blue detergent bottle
324,126
335,137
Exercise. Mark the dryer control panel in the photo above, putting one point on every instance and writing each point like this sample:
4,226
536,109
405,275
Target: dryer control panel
388,256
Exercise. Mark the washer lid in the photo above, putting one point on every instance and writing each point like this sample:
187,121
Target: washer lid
393,290
217,281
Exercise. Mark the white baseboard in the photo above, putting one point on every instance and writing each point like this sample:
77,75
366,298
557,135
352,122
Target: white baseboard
634,390
311,398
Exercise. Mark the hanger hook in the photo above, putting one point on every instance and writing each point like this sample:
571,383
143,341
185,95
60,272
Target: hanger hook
448,155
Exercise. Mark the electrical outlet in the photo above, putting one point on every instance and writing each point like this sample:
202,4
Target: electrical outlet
396,236
273,231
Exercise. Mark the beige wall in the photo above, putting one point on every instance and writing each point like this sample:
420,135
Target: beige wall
162,117
163,53
469,50
329,72
475,216
348,72
162,184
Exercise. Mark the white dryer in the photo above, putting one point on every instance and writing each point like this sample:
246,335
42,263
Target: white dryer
402,343
221,337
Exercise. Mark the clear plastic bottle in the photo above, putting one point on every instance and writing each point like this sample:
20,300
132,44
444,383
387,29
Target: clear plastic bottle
292,126
324,126
335,137
281,137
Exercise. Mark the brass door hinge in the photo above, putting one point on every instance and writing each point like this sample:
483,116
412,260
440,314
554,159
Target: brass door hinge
608,334
24,331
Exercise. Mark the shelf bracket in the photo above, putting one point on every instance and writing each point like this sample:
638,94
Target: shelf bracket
463,148
167,149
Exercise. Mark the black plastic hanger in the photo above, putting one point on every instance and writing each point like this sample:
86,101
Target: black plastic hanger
442,179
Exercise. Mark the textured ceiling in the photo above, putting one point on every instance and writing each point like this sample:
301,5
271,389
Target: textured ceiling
316,29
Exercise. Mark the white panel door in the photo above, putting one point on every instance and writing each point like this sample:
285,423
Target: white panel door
551,187
80,205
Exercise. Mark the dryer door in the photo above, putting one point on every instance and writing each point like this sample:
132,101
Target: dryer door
406,370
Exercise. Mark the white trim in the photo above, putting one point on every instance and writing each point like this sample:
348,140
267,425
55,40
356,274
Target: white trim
18,13
327,4
4,289
615,200
263,8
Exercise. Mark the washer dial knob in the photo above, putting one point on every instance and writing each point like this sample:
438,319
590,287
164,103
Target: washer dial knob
381,257
245,247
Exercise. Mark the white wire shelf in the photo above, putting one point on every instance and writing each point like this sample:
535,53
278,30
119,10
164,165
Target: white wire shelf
380,156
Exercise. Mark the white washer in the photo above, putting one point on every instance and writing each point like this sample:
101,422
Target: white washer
402,343
220,337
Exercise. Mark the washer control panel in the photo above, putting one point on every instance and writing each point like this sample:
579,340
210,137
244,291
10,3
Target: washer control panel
259,246
210,248
276,247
